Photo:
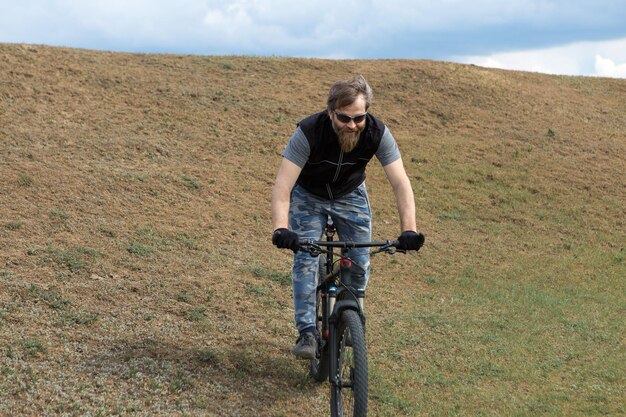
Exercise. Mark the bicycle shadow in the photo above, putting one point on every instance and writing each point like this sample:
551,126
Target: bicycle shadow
252,371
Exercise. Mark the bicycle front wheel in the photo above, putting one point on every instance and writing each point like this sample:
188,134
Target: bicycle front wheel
349,396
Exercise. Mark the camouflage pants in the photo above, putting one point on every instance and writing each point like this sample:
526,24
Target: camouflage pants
308,215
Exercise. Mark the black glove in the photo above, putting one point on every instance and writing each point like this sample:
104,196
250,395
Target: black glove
411,240
285,239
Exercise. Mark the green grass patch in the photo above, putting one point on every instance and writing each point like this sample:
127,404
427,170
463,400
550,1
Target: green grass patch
190,182
50,296
195,313
388,400
208,355
149,236
135,176
485,330
183,297
79,318
24,181
187,241
138,249
13,225
32,347
256,290
452,215
58,215
281,278
75,258
180,382
105,231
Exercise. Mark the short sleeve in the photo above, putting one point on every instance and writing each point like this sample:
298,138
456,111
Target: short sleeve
388,150
297,149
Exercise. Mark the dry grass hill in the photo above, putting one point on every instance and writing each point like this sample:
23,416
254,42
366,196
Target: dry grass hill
137,276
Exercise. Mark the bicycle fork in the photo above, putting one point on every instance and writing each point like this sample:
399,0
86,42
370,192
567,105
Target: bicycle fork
335,310
333,353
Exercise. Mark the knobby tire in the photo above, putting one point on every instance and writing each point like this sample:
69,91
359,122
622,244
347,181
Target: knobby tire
350,401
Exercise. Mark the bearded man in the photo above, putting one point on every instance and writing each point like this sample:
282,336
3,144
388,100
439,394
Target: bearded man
321,176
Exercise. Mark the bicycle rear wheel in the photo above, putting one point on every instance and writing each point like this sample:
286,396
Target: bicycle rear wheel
319,364
349,397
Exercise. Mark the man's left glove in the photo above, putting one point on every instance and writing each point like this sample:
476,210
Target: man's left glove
410,240
285,239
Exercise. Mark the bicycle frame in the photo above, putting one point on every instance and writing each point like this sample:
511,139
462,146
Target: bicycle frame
342,352
336,287
338,293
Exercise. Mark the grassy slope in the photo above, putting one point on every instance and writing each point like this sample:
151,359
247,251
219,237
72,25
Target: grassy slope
136,272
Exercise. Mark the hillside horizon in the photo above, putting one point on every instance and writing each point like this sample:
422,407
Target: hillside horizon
137,274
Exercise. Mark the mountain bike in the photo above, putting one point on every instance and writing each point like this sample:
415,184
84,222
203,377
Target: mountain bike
342,352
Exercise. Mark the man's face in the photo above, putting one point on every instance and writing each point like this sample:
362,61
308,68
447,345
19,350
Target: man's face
349,130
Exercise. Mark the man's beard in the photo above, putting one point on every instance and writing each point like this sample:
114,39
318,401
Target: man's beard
348,138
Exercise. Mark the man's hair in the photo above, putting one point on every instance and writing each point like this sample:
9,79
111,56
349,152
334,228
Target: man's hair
345,92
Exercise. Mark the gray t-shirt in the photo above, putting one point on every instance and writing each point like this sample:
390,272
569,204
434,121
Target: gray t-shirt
298,151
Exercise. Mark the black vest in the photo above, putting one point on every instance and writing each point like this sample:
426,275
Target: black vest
330,172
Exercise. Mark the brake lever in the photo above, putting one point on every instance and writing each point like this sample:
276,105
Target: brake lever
392,249
315,251
312,249
388,249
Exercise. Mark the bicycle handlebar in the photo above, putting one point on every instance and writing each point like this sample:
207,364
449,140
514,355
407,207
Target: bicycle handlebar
314,247
348,244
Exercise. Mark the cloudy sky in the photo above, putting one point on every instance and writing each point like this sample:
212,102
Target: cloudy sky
575,37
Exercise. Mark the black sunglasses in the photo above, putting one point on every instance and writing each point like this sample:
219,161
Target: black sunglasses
344,118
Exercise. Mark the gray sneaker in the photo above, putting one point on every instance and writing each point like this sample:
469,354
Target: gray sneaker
306,346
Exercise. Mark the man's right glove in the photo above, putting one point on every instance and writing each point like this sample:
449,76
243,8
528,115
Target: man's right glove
410,240
285,239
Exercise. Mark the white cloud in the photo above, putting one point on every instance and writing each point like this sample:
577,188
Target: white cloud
607,68
303,28
580,58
